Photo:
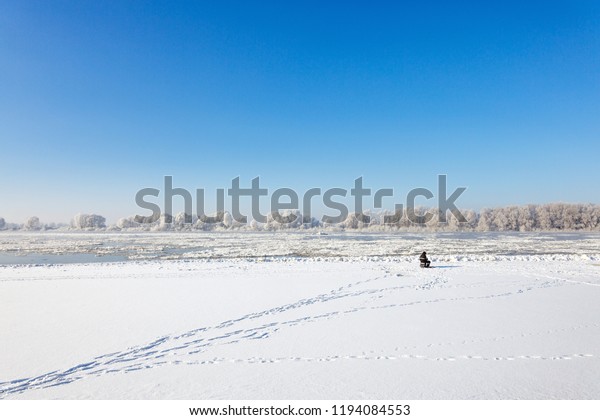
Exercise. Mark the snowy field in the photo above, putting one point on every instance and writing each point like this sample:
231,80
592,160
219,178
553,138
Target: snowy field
299,315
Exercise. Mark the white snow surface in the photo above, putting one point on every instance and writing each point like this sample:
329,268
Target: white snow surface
286,316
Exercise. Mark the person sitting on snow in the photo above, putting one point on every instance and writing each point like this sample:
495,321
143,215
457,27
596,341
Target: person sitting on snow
424,261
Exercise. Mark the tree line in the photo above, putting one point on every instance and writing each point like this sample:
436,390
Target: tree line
532,217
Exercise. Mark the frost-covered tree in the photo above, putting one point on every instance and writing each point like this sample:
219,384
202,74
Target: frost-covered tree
593,215
571,217
227,220
526,218
2,223
485,221
501,220
356,221
127,223
145,219
392,219
214,219
33,223
183,219
88,221
285,219
472,219
310,222
165,222
544,217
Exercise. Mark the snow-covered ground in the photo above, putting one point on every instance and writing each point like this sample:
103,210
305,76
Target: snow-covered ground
253,316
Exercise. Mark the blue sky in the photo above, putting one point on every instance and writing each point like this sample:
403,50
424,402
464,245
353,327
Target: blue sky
100,99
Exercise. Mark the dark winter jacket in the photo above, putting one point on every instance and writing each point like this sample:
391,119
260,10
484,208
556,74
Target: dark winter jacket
423,257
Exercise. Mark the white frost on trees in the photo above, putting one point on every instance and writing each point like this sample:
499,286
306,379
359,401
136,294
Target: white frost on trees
88,221
544,217
227,220
33,223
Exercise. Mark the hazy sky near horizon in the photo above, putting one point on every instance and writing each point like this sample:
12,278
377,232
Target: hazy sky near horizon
101,99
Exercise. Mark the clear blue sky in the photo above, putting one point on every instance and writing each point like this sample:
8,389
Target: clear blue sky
99,99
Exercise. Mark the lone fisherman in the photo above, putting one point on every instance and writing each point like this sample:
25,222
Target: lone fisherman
424,261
